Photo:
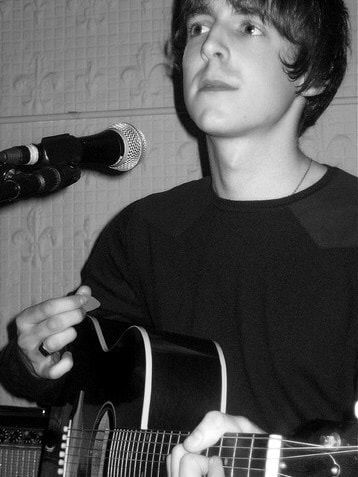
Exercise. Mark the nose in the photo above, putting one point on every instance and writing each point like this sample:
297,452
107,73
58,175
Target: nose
214,45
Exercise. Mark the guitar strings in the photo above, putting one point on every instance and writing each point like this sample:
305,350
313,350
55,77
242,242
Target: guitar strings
229,467
132,453
301,446
175,434
123,448
74,459
152,454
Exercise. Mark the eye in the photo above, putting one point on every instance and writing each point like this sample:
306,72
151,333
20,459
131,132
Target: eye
196,29
251,29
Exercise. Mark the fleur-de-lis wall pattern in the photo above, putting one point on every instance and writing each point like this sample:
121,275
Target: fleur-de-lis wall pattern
34,241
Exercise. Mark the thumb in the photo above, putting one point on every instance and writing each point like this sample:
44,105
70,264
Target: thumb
84,290
92,303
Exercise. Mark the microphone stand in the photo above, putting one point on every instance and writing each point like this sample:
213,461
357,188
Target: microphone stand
16,184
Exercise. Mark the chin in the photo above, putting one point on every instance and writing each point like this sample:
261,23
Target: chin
223,128
213,123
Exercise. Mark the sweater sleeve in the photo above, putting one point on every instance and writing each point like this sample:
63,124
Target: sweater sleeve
110,271
17,377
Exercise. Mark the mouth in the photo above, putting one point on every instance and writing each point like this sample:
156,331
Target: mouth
215,85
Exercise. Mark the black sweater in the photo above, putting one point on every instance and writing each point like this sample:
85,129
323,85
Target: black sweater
274,282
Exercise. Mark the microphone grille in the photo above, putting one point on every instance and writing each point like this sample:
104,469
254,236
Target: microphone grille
135,146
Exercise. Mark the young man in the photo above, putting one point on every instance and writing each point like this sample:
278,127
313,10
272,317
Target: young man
262,256
256,74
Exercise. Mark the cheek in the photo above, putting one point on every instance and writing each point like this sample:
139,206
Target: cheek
186,84
187,59
271,76
188,67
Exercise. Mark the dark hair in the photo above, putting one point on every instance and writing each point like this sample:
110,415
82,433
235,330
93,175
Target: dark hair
318,28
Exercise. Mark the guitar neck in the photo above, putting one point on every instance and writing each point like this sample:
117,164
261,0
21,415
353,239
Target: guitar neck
130,453
143,453
136,453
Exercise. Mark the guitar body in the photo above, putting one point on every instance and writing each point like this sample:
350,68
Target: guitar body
130,399
141,381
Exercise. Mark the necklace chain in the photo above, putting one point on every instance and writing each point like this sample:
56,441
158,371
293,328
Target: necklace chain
303,177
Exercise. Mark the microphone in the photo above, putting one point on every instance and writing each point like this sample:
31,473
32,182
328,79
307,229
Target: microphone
118,148
19,185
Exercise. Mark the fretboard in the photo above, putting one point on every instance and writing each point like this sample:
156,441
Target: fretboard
143,453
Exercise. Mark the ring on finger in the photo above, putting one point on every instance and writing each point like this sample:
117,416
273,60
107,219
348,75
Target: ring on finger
43,350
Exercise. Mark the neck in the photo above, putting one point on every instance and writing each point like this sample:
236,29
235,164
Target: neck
245,169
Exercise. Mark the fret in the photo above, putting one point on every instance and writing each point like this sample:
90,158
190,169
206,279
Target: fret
250,456
112,453
124,454
149,439
221,446
161,457
136,452
131,455
169,446
232,470
153,454
170,443
118,455
142,453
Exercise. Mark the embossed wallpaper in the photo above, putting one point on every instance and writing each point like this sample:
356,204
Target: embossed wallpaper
77,66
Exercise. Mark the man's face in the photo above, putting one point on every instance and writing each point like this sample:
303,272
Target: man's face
234,81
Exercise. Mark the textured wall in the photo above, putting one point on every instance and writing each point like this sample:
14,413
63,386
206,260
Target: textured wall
77,66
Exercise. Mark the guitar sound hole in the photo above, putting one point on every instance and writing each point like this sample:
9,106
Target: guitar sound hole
100,441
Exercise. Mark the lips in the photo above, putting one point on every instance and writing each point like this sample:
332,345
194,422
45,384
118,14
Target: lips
215,85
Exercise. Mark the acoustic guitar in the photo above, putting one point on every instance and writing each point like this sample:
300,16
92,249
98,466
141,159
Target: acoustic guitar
133,399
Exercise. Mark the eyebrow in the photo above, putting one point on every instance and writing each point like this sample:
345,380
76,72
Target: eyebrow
204,8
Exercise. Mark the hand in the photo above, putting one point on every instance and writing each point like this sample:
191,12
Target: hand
51,323
185,459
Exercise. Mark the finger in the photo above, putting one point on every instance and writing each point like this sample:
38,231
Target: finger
193,465
168,463
207,433
176,455
40,312
58,341
58,324
244,425
59,369
214,425
216,468
31,340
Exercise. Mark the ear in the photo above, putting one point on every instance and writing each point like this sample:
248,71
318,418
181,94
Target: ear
312,91
309,92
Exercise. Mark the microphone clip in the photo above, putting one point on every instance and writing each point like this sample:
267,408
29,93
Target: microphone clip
62,149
